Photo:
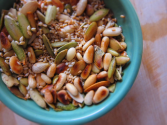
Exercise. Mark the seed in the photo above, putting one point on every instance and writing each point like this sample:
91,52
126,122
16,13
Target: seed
98,40
112,68
30,6
48,96
114,31
115,45
98,15
61,80
78,67
62,97
67,46
102,75
112,87
95,69
71,54
68,29
89,53
106,61
78,84
9,80
86,71
39,67
5,43
121,60
91,31
51,70
79,57
89,97
46,78
110,24
90,81
50,14
98,57
101,93
61,68
81,6
90,42
89,10
100,29
123,44
72,89
112,52
32,82
97,85
31,55
40,81
104,44
16,68
79,98
45,88
63,17
60,56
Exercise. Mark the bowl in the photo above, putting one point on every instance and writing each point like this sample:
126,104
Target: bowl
133,35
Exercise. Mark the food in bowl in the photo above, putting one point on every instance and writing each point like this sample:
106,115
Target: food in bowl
63,54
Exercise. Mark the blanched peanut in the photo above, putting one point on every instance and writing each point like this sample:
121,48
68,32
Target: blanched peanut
104,44
78,84
101,93
106,61
72,89
48,96
46,78
39,80
60,82
102,75
39,67
90,42
81,6
15,65
79,57
90,80
31,55
71,53
88,56
51,70
114,31
32,82
89,97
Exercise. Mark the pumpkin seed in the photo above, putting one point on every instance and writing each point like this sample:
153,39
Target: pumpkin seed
112,68
91,31
67,46
112,87
45,30
112,52
50,14
38,52
24,81
41,17
66,107
5,67
58,44
4,12
60,56
118,75
115,45
48,45
98,15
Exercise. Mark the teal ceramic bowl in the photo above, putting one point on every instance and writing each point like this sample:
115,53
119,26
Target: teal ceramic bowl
132,31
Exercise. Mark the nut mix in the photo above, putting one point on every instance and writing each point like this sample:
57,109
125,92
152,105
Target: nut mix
61,53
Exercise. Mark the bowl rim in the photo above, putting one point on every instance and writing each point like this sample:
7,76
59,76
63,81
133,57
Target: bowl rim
91,117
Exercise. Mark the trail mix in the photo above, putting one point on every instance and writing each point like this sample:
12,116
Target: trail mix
61,53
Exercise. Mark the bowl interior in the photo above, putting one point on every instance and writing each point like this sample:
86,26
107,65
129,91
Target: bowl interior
133,37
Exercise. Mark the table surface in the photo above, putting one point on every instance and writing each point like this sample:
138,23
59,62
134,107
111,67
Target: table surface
146,103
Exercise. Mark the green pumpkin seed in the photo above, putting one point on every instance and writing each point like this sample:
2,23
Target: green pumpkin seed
13,28
5,67
38,52
98,15
67,46
22,89
48,45
60,56
26,43
112,88
45,30
91,31
118,75
112,68
19,51
41,17
58,44
55,79
50,14
24,81
23,24
112,52
121,60
66,107
115,45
